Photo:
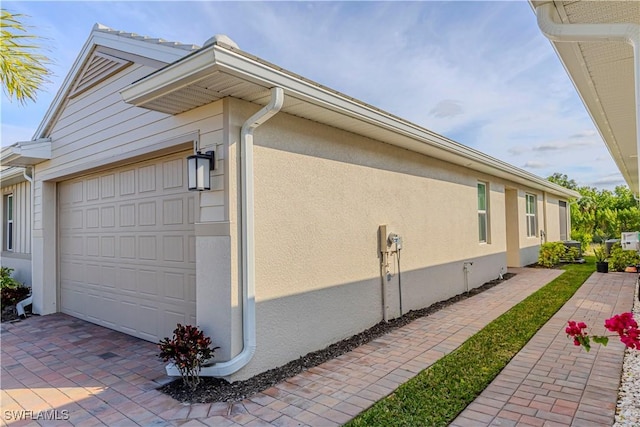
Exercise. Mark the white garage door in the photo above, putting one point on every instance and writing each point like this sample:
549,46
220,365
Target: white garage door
127,248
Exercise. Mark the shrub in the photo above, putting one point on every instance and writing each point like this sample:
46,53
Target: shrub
11,291
582,237
550,253
619,259
6,281
571,254
188,350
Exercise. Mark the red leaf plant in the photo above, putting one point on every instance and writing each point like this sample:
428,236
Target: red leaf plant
189,349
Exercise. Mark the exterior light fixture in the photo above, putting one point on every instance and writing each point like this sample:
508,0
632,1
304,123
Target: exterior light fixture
199,165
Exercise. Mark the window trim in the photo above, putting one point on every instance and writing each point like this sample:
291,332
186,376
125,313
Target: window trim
9,227
483,213
531,228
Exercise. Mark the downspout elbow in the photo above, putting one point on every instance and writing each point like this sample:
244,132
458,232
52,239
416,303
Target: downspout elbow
560,32
224,369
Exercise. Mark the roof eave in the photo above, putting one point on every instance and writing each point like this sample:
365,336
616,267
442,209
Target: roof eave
11,176
23,154
198,66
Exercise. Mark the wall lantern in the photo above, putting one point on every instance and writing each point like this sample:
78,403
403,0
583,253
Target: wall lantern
199,165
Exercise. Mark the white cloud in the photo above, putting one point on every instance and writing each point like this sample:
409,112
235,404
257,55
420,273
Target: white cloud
608,181
534,164
561,146
584,134
447,108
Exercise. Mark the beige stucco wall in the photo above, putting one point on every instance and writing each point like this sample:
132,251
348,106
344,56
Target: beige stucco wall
320,195
523,250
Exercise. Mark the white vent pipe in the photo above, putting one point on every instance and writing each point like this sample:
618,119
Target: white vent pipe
621,32
224,369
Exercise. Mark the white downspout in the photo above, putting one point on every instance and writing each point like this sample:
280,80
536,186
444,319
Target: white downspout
29,300
627,32
224,369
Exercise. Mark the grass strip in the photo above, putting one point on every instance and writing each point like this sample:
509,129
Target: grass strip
439,393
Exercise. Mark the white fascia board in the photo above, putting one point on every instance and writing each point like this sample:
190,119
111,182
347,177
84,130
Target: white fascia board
253,70
11,176
175,76
163,53
26,153
197,66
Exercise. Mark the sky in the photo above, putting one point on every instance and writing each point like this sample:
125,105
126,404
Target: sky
478,72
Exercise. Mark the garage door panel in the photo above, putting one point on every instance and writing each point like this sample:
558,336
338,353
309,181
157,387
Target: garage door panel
107,217
93,218
147,247
93,246
127,255
173,248
73,300
127,215
107,186
94,274
108,277
108,246
148,317
127,279
127,247
147,179
76,219
148,283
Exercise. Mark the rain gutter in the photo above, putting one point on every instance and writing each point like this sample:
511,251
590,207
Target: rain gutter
618,32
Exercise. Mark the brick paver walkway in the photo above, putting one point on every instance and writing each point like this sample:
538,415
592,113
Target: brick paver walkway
102,377
551,382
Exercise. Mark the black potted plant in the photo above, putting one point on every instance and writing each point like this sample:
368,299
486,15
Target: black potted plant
602,266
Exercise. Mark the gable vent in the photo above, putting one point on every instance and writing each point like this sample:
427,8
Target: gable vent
99,67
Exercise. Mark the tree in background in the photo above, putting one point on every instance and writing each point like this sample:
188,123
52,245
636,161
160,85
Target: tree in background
23,70
563,180
600,214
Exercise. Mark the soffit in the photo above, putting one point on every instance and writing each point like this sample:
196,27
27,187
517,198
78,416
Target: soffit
24,154
10,176
603,73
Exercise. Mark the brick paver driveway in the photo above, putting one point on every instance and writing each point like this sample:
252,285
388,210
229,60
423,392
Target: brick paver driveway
94,376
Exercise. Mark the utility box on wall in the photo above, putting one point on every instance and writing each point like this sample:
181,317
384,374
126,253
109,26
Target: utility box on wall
630,241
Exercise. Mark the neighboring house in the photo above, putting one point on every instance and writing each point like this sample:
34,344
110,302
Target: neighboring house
16,222
287,252
598,43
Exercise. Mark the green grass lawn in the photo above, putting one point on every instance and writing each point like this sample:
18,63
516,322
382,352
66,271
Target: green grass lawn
439,393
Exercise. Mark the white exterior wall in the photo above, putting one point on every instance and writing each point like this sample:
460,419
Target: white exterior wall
20,257
97,130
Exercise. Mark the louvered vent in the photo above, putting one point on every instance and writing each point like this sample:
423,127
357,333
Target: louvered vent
99,67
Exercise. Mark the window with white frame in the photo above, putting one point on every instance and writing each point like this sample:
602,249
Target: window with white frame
8,214
483,213
532,225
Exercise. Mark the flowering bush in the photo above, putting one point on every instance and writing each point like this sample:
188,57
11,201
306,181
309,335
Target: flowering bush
623,324
188,350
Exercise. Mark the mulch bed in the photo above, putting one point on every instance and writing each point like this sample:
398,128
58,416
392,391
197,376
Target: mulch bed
218,390
9,313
